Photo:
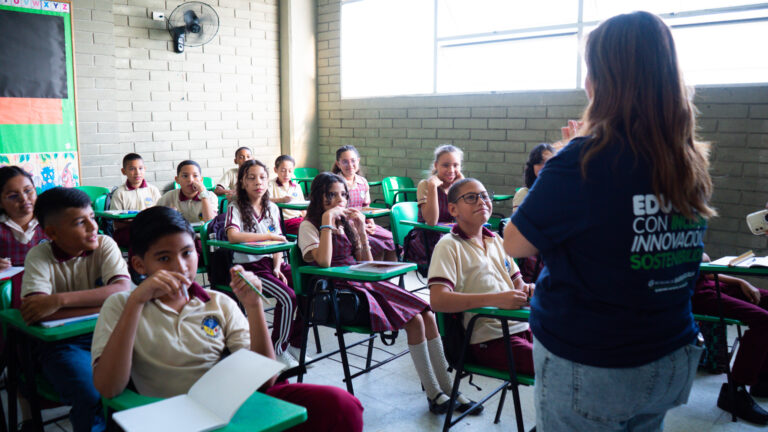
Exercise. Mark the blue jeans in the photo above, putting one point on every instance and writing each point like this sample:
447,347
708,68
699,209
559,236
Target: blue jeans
572,396
67,365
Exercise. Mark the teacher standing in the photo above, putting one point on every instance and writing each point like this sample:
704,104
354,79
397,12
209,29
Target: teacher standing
618,216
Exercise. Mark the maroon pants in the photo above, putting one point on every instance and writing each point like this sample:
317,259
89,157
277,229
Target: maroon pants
285,329
292,225
329,409
751,364
493,353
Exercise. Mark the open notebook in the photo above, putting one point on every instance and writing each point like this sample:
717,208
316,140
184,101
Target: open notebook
211,402
746,262
379,266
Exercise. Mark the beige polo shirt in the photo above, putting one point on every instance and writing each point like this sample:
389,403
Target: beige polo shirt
267,224
519,197
173,350
49,270
292,190
465,267
126,197
229,179
190,208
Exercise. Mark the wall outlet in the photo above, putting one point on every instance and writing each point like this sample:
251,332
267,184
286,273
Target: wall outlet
158,16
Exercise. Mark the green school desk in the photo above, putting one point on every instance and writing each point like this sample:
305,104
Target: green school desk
259,413
20,338
502,197
373,213
344,272
251,249
117,214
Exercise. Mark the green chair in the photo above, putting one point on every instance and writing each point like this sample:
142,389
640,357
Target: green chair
404,211
306,174
94,192
391,195
447,324
223,203
303,286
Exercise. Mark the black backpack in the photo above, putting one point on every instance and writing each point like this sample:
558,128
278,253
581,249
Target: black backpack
220,259
453,338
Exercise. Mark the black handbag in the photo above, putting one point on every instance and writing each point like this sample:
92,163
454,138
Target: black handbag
352,306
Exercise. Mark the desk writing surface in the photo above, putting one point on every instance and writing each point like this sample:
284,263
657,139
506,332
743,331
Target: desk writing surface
302,205
518,314
344,272
422,225
750,271
117,214
500,197
12,317
250,249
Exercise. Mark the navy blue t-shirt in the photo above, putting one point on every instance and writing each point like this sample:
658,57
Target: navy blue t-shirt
619,267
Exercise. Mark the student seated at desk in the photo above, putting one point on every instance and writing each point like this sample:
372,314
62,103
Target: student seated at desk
432,197
19,230
252,217
134,194
334,235
228,183
347,165
70,275
470,269
284,190
742,301
192,200
164,335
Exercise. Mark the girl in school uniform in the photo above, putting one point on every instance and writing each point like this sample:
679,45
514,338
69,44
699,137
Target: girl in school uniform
252,217
19,230
432,197
347,165
333,234
284,190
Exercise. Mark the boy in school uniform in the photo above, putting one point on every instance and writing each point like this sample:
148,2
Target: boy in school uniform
192,199
470,269
228,183
164,335
134,194
69,276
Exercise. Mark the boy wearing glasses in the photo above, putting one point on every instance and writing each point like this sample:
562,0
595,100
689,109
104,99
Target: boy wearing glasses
470,269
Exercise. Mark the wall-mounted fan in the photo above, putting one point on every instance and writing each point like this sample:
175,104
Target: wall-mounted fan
192,24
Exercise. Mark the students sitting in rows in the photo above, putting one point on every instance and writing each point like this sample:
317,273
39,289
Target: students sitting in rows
69,276
470,269
134,194
228,183
153,335
192,200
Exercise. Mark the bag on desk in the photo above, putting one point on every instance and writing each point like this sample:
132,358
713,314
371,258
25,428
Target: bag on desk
352,306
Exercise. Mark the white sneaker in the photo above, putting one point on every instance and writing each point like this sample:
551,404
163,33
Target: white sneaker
296,353
287,359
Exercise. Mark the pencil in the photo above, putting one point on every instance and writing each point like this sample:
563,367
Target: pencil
185,291
251,285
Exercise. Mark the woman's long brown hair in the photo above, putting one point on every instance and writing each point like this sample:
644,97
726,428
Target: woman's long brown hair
638,96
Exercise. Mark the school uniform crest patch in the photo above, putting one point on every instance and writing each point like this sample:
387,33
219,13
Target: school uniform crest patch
210,326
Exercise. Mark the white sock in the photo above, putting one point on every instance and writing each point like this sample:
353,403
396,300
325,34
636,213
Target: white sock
420,358
440,366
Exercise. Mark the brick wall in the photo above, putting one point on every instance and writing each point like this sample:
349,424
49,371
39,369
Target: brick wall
396,136
136,95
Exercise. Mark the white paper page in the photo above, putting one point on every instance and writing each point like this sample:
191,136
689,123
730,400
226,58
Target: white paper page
63,321
10,272
378,266
723,261
179,413
225,387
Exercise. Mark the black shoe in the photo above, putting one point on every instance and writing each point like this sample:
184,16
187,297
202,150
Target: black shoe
743,405
438,408
759,390
464,407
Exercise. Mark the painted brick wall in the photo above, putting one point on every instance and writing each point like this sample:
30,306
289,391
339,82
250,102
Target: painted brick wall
136,95
396,136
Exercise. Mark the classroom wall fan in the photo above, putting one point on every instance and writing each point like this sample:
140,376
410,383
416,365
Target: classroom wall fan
192,24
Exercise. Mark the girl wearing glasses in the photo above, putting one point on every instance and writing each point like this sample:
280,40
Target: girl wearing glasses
615,341
432,197
347,165
19,230
333,234
469,269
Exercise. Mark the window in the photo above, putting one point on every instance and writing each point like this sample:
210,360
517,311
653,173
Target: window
421,47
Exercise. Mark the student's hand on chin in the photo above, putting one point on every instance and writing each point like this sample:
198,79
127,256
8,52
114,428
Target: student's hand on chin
245,293
459,176
435,181
37,307
161,283
4,263
513,299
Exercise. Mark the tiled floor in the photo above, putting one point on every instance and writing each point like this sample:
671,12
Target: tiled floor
393,399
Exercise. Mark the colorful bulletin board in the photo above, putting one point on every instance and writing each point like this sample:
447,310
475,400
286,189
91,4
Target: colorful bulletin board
38,121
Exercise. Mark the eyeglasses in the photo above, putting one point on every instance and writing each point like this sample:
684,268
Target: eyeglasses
347,162
471,197
330,196
19,197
